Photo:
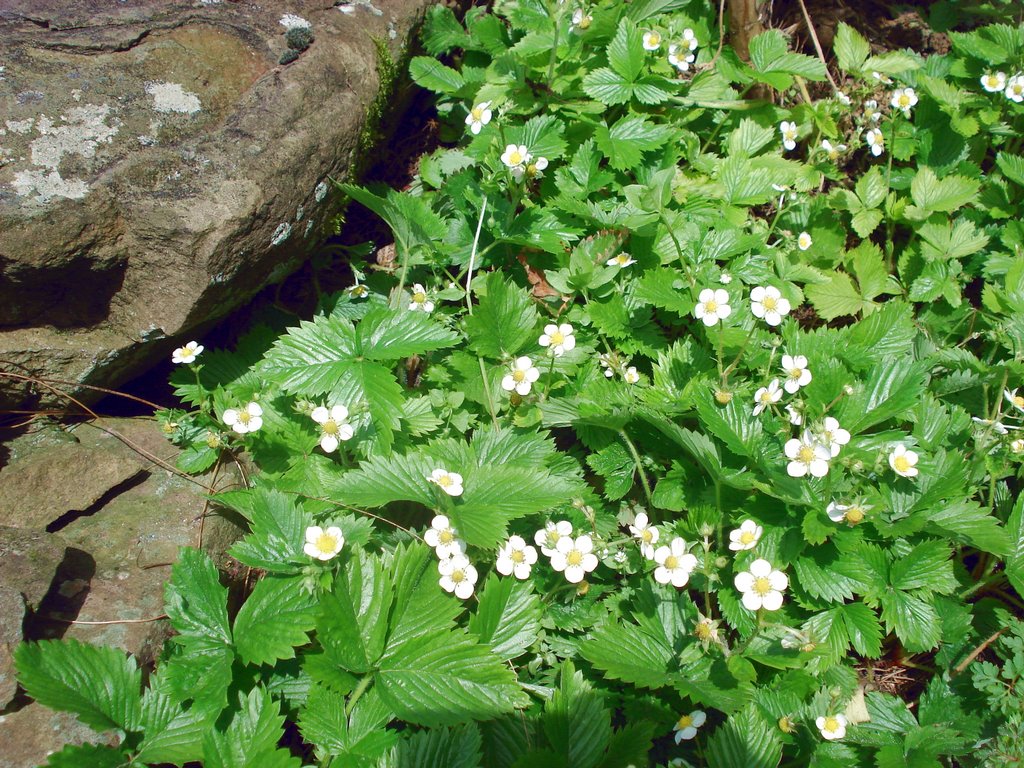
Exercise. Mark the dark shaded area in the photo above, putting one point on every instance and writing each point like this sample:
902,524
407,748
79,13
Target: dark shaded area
65,598
74,514
78,296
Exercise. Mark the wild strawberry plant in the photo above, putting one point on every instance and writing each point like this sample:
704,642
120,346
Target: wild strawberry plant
684,428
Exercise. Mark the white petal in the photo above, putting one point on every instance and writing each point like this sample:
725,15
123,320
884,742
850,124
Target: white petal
329,443
320,415
751,601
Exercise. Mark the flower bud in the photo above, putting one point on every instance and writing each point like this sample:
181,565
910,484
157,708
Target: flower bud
723,396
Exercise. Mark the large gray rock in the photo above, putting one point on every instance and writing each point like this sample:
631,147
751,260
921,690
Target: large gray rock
158,166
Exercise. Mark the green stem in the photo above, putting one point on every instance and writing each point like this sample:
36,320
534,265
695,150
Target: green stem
469,310
743,348
554,51
359,691
639,467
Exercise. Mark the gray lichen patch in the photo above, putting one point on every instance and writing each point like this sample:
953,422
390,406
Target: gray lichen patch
171,97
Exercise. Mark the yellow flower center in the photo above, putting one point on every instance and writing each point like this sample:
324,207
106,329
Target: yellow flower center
703,630
444,481
1018,401
557,338
622,258
762,585
552,538
244,416
326,543
796,373
518,376
477,114
711,306
766,397
653,38
806,454
584,23
458,575
904,100
419,297
769,302
901,463
647,535
518,556
446,536
684,722
993,81
515,158
831,724
330,427
575,557
671,562
746,537
854,515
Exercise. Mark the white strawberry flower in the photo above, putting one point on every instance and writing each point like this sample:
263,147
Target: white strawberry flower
903,461
804,241
997,426
444,538
535,168
244,420
1014,399
358,291
323,544
994,82
188,353
689,41
789,133
548,537
651,40
871,111
675,564
1017,446
797,373
807,456
622,260
712,306
478,117
687,725
449,482
767,396
630,375
843,99
761,586
457,575
333,426
581,20
515,159
832,150
574,557
766,302
832,727
645,533
420,302
516,557
883,79
521,377
851,514
680,57
904,99
558,339
796,417
746,536
1015,89
875,141
833,436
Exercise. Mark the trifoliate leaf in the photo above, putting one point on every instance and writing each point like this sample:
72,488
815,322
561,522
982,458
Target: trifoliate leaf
274,620
357,740
771,58
508,617
419,607
98,684
889,391
932,194
431,74
198,669
732,423
504,321
607,86
838,297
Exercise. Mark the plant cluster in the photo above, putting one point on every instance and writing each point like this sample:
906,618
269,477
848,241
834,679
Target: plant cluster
683,429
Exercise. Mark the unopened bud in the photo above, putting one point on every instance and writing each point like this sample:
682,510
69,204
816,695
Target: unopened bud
723,396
